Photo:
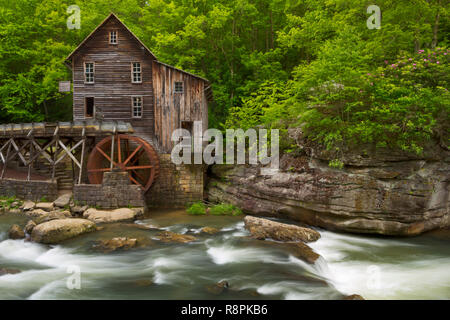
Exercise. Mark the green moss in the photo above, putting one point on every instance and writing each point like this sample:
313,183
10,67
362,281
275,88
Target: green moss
224,209
197,208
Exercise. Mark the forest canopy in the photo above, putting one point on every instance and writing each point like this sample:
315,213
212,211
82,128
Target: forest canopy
276,63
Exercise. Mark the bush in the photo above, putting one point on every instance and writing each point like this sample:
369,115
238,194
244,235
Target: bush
197,208
225,210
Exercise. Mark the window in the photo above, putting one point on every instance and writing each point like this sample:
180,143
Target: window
136,110
178,87
89,107
89,72
113,37
136,72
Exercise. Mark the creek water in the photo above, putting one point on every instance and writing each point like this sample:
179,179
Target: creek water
374,267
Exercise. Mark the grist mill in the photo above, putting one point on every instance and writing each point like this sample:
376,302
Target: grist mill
116,151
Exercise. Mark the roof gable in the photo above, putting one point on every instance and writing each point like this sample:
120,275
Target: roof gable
110,16
113,16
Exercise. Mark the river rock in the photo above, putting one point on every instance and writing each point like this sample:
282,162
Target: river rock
108,216
264,228
169,236
28,205
36,213
143,283
16,232
4,271
54,215
46,206
15,204
63,200
303,252
30,226
354,297
376,193
55,231
209,230
218,288
119,243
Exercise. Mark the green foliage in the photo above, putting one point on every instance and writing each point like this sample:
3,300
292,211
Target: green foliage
401,105
225,209
197,208
271,63
6,202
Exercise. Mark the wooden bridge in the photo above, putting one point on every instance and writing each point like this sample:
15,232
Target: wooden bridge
53,142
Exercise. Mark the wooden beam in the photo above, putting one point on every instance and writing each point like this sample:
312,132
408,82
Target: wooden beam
82,155
6,162
69,153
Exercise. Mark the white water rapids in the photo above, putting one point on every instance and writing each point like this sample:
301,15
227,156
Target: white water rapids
374,267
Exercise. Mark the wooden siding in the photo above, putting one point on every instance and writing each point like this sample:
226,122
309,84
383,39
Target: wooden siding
172,108
112,88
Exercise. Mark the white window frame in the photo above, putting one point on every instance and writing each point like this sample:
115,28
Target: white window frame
175,87
138,73
133,106
116,34
85,72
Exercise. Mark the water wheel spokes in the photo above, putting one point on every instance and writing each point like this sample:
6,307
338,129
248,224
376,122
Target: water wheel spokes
128,153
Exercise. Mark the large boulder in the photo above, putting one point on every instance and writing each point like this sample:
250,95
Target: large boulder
108,216
261,229
16,232
55,231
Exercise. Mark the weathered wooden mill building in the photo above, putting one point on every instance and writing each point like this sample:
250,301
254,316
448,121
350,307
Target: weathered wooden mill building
118,80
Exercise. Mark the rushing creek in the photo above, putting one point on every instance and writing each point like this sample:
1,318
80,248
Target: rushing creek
374,267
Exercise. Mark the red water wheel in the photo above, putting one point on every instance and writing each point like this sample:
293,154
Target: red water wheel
131,154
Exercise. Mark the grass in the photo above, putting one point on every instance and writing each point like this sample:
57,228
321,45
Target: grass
6,203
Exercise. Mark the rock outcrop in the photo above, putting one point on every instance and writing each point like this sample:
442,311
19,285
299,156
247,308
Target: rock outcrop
56,231
375,192
263,228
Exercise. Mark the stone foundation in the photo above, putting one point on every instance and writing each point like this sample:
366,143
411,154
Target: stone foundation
115,192
176,185
34,190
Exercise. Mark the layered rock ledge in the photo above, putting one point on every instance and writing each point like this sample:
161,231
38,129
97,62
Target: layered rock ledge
383,193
